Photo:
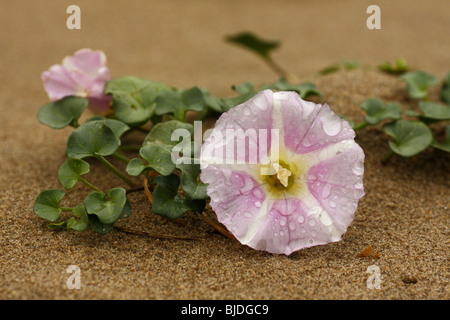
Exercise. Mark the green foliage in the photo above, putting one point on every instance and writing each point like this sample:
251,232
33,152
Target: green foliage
335,67
410,137
445,90
168,203
179,102
108,210
71,171
47,204
377,111
62,113
399,66
418,83
254,43
134,99
93,138
445,145
305,89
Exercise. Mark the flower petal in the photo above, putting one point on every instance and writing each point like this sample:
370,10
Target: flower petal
320,126
315,201
58,83
235,197
291,225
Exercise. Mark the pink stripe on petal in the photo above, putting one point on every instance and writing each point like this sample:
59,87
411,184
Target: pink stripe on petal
236,198
290,226
298,116
327,129
337,184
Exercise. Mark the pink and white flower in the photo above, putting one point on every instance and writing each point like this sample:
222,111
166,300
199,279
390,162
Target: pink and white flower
294,185
83,74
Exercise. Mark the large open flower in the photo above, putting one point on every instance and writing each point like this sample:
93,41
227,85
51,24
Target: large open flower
283,173
83,74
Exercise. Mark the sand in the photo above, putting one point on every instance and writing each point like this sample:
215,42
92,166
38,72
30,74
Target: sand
403,217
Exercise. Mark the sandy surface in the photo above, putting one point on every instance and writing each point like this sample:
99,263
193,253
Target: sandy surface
404,214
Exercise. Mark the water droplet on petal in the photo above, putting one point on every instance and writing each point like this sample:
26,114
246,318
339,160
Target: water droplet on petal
258,204
312,222
306,142
247,111
301,219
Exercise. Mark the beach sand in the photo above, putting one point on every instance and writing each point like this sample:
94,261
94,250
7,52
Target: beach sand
404,215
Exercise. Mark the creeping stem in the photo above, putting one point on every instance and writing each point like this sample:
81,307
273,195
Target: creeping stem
116,171
90,185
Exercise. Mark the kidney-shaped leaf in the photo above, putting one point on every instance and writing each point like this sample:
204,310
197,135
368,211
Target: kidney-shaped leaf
70,172
378,111
418,83
254,43
93,138
47,204
435,111
410,137
62,113
134,98
107,210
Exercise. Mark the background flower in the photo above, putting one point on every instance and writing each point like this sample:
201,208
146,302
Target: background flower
83,74
310,196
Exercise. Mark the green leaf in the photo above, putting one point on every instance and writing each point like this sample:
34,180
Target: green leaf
93,138
107,211
159,158
435,111
179,102
134,98
410,137
445,90
418,83
378,111
189,182
118,127
244,88
304,89
70,172
162,132
47,204
98,226
82,223
62,113
254,43
330,69
400,66
445,145
167,202
135,167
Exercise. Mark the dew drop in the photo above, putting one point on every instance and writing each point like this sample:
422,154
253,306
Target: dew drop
306,142
291,226
301,219
310,241
258,204
247,214
281,233
312,222
247,111
332,126
332,204
282,222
